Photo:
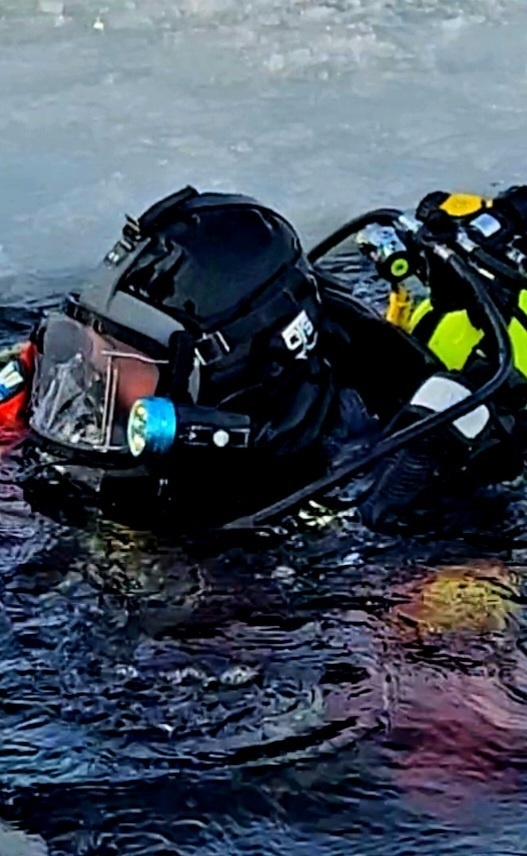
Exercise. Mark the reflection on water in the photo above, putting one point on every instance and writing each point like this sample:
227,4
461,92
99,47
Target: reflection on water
337,691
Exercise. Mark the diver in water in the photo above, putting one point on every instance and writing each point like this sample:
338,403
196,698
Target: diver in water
211,372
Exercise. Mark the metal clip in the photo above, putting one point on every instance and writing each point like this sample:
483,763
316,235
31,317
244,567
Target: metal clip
211,347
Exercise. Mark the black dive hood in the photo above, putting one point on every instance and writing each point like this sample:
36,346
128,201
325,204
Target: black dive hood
198,330
175,268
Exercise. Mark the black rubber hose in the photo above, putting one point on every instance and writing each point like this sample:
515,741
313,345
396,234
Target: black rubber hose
498,268
382,216
402,478
498,331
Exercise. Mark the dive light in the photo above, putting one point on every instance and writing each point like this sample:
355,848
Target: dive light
152,426
156,425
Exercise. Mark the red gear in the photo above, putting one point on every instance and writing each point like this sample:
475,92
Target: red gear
13,409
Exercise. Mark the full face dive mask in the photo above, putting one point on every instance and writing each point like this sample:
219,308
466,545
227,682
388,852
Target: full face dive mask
200,328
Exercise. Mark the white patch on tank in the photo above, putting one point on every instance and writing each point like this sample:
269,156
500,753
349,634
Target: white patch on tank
439,393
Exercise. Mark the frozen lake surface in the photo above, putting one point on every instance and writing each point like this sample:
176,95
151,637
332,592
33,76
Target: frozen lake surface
321,109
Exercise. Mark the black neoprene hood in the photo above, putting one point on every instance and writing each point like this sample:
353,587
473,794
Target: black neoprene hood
194,261
216,256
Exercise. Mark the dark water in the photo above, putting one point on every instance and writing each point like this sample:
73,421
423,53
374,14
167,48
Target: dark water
333,692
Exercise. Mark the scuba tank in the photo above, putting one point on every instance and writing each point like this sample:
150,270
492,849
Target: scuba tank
493,234
449,243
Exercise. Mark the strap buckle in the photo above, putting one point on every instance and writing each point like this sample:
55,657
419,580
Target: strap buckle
211,348
129,241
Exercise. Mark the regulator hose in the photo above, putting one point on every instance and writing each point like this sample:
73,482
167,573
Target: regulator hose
498,268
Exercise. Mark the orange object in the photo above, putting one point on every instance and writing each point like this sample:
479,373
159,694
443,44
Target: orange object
17,367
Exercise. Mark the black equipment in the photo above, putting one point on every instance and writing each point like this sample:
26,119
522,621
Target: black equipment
206,339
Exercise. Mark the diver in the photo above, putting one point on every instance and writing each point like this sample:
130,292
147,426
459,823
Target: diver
210,372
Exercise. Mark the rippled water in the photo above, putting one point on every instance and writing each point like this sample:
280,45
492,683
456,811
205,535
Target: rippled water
334,692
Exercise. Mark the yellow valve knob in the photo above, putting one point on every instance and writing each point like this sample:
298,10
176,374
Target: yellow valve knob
463,204
399,311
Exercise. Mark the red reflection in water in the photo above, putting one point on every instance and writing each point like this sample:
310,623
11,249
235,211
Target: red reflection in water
455,729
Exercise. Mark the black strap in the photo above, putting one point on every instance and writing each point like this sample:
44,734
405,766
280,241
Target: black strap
218,344
181,358
425,328
215,345
520,316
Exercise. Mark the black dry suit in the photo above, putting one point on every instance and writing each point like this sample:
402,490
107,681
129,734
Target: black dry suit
208,364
